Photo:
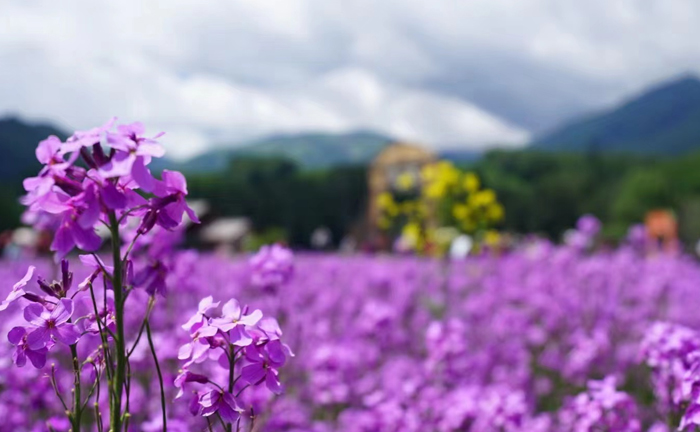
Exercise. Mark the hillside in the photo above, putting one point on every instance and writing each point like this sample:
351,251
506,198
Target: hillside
664,120
18,140
310,151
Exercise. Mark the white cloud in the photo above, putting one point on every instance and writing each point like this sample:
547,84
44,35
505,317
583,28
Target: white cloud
441,72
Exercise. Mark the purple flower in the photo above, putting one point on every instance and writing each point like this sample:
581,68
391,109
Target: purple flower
169,205
18,338
17,289
134,152
152,278
186,376
51,324
216,401
264,362
198,347
205,305
234,322
271,267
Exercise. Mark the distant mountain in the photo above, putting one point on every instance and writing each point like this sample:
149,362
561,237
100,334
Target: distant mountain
18,140
665,120
309,150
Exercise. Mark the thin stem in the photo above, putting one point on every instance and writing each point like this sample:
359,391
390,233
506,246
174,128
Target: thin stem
231,371
120,375
209,424
99,263
160,375
241,391
95,386
143,326
131,246
105,345
77,401
55,387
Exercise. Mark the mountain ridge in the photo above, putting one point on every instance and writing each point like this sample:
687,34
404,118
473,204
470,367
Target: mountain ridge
664,119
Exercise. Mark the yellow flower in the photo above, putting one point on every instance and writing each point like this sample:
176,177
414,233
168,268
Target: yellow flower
495,212
385,200
483,198
492,237
405,181
460,211
471,182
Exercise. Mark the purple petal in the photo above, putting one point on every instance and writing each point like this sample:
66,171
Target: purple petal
232,309
240,337
253,374
252,319
86,239
47,149
66,333
38,338
23,282
90,215
37,357
119,166
142,176
175,181
19,358
63,311
34,314
112,198
150,148
63,240
16,334
273,383
14,295
185,351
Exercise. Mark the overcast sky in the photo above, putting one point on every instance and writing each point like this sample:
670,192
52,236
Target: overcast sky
472,73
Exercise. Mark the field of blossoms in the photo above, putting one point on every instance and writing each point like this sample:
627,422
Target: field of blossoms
137,334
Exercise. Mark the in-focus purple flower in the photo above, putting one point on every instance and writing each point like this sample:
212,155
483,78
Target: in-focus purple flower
51,325
216,401
18,337
234,322
196,350
87,138
134,152
203,309
18,289
264,362
169,206
186,376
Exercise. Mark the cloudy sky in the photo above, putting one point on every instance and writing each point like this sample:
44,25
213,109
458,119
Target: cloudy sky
469,73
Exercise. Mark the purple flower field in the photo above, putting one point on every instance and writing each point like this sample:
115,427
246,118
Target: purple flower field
542,339
138,335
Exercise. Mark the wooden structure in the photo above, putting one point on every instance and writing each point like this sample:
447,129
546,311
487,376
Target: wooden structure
394,161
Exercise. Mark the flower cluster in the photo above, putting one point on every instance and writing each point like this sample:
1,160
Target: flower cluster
602,407
446,196
77,199
271,267
242,344
48,318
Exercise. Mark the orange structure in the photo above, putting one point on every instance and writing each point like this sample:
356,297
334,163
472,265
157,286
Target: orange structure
662,227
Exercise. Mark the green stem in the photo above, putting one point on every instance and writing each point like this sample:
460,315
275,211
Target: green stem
231,380
160,375
77,401
120,374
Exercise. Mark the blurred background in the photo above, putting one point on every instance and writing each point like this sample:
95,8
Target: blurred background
279,111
